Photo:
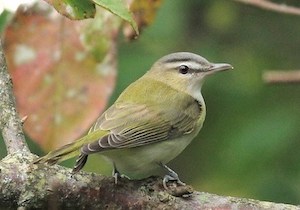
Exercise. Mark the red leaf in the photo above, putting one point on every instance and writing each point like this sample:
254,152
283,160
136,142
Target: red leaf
63,72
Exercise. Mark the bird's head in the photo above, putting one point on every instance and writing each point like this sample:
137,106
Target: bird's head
185,71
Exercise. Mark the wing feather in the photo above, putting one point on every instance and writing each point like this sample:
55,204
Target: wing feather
133,125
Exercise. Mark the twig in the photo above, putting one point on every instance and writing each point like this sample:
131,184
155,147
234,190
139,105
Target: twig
10,123
282,76
281,8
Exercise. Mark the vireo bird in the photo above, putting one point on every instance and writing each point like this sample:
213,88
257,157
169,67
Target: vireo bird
151,122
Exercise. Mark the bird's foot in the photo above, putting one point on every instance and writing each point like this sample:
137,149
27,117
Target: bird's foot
171,176
177,188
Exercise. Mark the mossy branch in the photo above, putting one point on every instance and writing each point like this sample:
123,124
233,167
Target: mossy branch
10,123
43,187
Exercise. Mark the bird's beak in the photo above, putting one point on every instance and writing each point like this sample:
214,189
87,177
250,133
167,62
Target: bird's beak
216,67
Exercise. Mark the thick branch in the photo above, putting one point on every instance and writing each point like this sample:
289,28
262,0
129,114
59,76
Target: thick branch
267,5
42,187
282,76
10,123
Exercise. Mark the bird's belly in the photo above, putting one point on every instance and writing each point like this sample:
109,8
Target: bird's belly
141,162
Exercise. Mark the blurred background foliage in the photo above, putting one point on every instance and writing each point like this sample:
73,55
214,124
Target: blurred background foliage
249,144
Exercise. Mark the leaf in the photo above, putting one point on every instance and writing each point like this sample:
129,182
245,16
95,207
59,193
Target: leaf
82,9
4,18
74,9
144,12
63,71
119,8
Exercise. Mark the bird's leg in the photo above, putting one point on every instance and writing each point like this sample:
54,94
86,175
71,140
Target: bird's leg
171,176
116,174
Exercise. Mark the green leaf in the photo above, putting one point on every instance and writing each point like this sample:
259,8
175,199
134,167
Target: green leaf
74,9
119,8
4,17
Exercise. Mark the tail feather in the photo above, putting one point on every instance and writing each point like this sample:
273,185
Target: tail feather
70,150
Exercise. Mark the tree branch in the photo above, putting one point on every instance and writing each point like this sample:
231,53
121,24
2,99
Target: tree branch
43,187
10,123
281,8
282,76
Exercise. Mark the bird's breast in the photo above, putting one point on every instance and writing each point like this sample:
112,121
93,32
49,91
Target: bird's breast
141,162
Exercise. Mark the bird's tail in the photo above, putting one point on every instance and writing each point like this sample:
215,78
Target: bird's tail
70,150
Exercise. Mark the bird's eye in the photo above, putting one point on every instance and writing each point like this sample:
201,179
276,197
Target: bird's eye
183,69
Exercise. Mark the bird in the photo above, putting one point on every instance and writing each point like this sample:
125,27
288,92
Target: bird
152,121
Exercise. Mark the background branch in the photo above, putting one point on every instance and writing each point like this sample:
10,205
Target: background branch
10,123
282,76
267,5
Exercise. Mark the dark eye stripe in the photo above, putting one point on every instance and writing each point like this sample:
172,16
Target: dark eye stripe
173,60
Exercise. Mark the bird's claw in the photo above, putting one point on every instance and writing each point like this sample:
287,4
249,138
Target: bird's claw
177,188
168,178
171,176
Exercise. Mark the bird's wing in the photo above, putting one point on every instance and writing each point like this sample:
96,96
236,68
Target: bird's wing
133,125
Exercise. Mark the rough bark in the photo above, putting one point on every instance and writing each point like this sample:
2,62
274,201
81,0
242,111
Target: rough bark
55,187
10,123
